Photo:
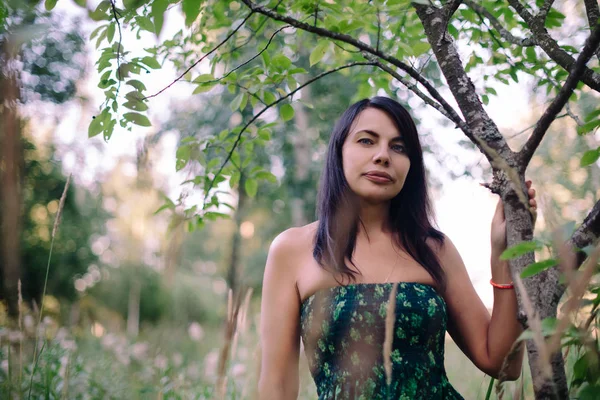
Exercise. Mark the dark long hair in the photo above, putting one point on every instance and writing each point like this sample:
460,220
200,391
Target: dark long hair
410,213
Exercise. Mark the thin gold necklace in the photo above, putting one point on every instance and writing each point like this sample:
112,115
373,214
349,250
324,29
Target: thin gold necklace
393,266
392,269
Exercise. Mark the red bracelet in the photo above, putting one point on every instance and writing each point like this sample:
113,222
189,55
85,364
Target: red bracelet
502,286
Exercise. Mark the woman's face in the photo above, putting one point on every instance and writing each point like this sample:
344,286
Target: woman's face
375,158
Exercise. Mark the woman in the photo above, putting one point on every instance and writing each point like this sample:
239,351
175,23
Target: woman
329,282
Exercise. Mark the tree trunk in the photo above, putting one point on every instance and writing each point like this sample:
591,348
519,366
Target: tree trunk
10,196
302,149
236,240
133,309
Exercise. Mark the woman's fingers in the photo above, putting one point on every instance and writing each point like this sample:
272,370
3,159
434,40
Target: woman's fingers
531,194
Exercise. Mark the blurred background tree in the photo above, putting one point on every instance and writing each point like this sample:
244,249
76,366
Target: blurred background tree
45,62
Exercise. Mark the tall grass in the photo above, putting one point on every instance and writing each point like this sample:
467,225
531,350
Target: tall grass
36,357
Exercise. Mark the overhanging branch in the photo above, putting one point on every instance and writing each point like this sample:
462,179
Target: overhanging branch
483,129
591,44
349,40
544,9
509,37
450,114
551,47
589,231
261,112
203,57
593,14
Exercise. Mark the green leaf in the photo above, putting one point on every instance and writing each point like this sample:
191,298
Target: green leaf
110,32
151,62
269,97
136,105
182,156
590,157
264,134
99,123
520,249
251,187
146,24
420,48
136,84
588,127
203,78
50,4
317,54
266,176
281,61
287,112
164,207
203,87
191,9
158,14
137,118
237,101
592,116
536,268
100,13
234,179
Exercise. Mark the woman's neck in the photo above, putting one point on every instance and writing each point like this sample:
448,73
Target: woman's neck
373,220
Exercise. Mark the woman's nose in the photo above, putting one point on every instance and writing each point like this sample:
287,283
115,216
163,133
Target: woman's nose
382,157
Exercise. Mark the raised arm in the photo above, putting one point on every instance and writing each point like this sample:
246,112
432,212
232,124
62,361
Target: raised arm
280,322
485,340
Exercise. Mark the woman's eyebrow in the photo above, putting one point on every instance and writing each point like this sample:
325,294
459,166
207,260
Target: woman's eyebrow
398,138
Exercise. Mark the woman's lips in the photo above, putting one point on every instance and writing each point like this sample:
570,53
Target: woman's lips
378,178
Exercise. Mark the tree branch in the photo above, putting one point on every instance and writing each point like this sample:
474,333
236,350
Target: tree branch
352,41
378,29
593,14
251,58
261,112
483,129
561,99
452,116
544,9
119,46
203,57
551,47
589,231
509,37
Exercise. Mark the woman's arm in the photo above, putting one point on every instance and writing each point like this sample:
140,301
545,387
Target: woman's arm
279,322
485,340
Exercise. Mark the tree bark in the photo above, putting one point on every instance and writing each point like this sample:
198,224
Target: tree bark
236,240
509,183
133,308
301,158
10,194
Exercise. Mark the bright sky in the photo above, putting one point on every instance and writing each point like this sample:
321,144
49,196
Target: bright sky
464,209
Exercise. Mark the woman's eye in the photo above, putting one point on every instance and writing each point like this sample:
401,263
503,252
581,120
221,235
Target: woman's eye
399,148
365,141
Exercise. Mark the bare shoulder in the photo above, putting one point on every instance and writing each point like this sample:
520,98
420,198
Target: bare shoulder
446,252
294,239
289,250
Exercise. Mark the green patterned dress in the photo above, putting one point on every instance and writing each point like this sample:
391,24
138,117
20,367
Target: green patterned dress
343,330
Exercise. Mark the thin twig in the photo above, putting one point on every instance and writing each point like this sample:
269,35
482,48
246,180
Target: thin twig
250,59
352,41
254,118
202,58
562,98
119,75
450,114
